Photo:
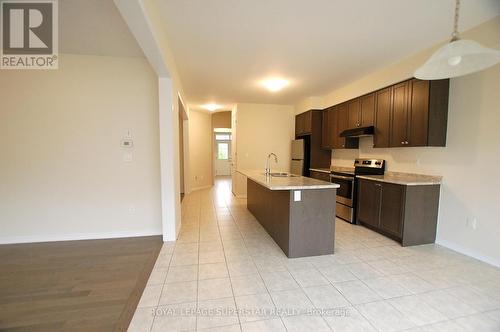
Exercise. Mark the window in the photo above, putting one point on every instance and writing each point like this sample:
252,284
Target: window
223,151
222,137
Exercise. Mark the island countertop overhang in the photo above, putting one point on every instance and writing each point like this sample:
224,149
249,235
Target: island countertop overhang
287,183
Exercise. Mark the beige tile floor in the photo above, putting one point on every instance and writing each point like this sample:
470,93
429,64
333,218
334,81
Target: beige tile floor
226,274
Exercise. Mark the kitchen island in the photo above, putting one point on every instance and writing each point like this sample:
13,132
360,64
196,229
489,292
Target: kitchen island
298,212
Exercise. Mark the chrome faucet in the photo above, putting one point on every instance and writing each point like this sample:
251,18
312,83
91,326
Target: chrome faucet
268,166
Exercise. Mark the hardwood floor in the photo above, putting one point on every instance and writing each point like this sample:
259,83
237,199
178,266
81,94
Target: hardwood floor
92,285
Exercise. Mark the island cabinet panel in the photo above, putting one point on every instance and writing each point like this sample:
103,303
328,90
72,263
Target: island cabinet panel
300,228
271,208
312,223
405,213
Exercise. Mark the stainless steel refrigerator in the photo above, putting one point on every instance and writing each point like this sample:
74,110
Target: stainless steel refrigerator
300,160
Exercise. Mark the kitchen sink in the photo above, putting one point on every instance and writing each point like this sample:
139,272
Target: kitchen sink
282,175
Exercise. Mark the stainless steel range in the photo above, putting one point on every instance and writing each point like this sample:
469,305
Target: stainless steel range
346,178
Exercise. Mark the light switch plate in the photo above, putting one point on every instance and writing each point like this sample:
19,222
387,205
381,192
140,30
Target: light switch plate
127,157
297,195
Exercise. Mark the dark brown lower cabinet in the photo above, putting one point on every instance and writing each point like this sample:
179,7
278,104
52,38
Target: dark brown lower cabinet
392,208
369,195
320,176
407,214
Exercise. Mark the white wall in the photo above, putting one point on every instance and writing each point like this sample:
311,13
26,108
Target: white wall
260,130
146,24
62,172
200,150
467,163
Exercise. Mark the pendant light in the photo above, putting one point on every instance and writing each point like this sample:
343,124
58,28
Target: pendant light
457,58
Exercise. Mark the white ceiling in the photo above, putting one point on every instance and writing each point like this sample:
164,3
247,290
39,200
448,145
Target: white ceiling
223,47
95,27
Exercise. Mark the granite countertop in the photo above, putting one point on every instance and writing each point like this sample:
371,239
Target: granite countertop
407,179
321,170
342,169
287,183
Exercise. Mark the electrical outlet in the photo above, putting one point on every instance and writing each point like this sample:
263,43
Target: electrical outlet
131,209
127,157
471,222
474,223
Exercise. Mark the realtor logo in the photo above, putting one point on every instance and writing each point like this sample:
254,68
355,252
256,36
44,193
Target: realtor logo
29,34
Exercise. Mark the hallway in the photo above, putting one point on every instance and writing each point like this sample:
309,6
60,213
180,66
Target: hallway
226,273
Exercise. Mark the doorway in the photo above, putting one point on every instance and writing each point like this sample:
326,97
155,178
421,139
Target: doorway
182,118
222,162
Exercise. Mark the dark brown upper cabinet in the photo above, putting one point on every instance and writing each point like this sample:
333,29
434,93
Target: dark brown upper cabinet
310,124
367,110
354,113
341,117
420,113
400,118
361,111
303,123
383,109
411,113
337,117
326,131
428,112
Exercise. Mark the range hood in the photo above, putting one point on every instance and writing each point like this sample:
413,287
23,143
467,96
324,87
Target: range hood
358,132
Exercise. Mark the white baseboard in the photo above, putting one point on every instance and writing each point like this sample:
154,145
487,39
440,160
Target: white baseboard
469,252
75,237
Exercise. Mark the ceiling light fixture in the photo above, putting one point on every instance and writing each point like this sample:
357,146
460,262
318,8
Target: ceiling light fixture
458,57
275,84
211,107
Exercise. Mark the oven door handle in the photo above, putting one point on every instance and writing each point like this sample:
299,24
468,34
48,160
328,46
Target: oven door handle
342,177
